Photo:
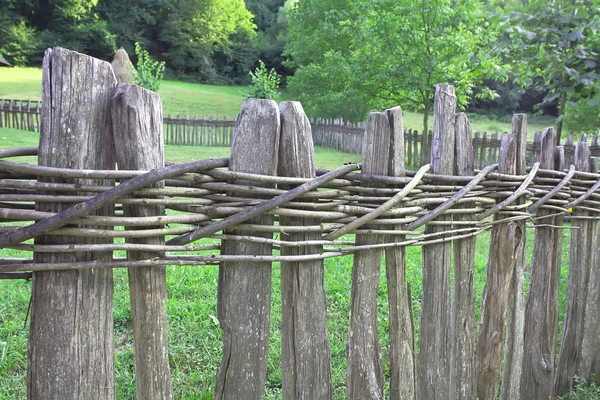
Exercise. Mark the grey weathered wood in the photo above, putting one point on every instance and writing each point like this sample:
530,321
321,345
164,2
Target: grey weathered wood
305,353
364,377
542,307
71,347
515,316
402,342
462,325
137,125
590,344
433,360
505,246
244,292
569,358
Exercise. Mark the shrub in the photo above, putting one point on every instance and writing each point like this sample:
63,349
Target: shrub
18,43
149,71
264,83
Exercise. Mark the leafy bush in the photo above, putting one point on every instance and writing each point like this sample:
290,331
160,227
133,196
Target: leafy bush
583,390
149,71
264,83
18,43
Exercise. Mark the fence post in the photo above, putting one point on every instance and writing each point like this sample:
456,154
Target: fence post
515,315
137,126
569,358
542,308
71,346
305,353
244,292
505,246
402,342
364,372
590,347
462,325
434,372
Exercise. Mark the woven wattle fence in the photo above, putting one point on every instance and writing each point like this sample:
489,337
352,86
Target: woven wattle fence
269,203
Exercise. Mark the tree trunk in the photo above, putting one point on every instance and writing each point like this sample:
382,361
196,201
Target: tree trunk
561,113
425,145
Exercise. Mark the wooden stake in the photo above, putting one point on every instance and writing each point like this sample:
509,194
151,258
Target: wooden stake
71,346
305,353
137,126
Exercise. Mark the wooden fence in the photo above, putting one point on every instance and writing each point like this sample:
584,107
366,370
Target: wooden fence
20,114
333,133
271,177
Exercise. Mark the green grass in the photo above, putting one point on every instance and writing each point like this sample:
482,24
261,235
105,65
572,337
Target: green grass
194,334
181,98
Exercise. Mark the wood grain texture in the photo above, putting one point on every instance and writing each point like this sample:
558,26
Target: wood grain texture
590,346
402,341
433,359
244,292
71,347
462,324
305,352
542,308
364,374
569,358
138,131
515,317
505,246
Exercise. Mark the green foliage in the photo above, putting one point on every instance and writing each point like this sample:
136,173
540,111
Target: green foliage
149,71
583,390
265,84
18,43
353,56
552,45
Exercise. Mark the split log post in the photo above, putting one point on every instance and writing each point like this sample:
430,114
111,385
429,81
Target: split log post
541,312
402,337
71,346
364,378
505,246
590,348
137,126
462,325
433,361
569,358
515,316
305,352
244,290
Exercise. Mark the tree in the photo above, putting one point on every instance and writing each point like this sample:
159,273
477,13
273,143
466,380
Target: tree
553,45
353,56
194,29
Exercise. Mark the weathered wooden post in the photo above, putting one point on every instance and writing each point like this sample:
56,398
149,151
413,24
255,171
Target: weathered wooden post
515,315
364,379
71,346
505,248
542,305
433,371
305,354
462,324
569,358
402,337
244,294
137,126
590,344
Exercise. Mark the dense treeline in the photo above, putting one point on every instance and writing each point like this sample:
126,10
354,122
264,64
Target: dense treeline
344,58
215,41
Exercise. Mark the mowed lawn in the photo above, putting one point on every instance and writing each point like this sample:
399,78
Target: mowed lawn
194,334
180,98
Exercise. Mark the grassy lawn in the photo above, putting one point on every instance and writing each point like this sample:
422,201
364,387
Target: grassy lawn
181,98
194,334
